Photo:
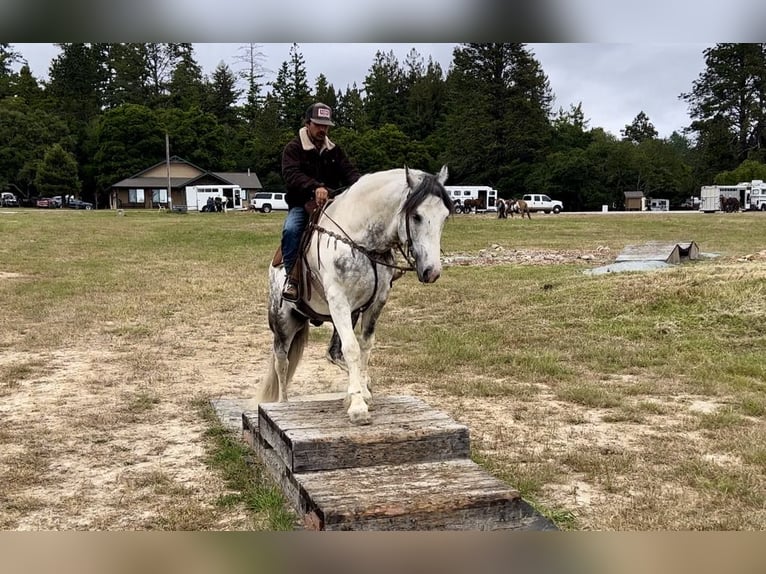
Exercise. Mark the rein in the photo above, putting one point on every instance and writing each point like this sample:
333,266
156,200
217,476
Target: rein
373,256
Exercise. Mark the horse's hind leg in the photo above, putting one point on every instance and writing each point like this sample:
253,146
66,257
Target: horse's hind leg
334,350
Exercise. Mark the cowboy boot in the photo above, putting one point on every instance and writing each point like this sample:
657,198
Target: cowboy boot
292,291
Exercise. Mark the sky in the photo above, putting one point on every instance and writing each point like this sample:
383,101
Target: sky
613,81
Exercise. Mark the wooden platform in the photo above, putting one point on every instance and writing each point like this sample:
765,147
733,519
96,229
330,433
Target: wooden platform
674,252
409,470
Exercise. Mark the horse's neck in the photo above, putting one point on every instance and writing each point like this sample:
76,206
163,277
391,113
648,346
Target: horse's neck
368,220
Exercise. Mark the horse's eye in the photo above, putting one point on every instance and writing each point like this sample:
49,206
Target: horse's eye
417,218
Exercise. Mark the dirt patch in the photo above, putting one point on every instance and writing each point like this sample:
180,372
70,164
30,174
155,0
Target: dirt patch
104,434
498,255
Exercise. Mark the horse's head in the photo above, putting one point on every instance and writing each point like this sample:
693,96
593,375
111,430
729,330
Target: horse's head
424,212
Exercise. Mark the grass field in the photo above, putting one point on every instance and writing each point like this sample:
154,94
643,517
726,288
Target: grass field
625,401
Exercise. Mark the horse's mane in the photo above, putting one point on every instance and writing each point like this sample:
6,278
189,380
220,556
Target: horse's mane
429,185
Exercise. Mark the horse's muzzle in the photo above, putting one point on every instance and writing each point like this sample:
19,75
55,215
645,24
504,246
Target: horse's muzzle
429,275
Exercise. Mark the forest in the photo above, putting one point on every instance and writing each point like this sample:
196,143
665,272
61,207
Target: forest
104,111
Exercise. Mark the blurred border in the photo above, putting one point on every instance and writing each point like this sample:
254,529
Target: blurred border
389,21
382,552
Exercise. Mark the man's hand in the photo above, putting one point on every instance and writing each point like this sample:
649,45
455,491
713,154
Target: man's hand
320,195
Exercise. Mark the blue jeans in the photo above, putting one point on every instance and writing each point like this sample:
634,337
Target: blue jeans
295,223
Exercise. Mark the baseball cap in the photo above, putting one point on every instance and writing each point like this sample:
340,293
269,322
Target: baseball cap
320,113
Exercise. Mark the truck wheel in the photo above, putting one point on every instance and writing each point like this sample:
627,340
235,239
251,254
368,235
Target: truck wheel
557,209
266,208
763,207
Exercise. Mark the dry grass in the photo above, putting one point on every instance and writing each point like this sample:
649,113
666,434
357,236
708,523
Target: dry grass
617,402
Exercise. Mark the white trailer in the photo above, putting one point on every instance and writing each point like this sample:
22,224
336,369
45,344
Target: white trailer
757,195
485,195
751,196
197,196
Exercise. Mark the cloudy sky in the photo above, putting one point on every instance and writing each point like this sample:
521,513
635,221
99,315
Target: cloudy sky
614,82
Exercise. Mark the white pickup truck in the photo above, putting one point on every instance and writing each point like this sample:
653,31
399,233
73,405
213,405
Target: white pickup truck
540,202
7,199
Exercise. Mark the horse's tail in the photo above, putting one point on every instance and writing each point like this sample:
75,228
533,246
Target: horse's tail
268,390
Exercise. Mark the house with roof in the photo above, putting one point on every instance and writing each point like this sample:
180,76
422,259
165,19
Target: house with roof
190,187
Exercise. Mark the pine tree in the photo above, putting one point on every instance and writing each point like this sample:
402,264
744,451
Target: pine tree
640,130
730,96
291,91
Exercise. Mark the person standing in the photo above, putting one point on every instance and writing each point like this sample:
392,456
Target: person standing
312,167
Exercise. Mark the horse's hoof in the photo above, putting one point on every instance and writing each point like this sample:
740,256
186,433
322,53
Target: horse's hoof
360,418
357,411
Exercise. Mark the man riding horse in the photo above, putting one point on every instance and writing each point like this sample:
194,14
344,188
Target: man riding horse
312,165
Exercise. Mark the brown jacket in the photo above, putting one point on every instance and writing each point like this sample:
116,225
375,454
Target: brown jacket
304,168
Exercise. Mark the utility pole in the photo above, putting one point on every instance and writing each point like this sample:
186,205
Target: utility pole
167,164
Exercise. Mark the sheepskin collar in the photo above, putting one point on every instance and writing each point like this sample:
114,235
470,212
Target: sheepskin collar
308,144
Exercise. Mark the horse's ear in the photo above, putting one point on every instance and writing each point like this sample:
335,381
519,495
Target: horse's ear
443,174
410,183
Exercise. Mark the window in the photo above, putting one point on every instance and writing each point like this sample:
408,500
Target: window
136,196
277,196
159,196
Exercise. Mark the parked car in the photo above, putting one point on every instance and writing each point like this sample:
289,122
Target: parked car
45,202
79,204
7,199
265,201
540,202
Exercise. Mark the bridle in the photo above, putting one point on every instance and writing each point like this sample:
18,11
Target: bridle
375,257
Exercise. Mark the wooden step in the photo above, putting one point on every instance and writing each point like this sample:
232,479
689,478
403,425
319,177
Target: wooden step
444,495
409,470
317,435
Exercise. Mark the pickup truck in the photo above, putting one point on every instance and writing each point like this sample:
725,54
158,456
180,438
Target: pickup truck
540,202
7,199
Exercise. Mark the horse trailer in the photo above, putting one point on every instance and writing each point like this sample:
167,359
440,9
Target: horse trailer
197,196
750,195
483,197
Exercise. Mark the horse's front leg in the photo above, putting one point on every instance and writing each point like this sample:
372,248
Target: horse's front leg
358,411
366,341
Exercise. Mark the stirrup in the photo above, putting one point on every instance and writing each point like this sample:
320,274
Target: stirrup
290,292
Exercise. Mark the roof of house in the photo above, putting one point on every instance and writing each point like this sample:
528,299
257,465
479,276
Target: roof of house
162,182
633,194
245,180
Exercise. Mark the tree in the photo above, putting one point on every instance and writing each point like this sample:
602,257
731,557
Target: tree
640,130
187,85
291,90
350,110
426,97
77,78
127,140
497,125
8,56
748,170
730,96
28,133
223,95
385,93
253,73
570,129
57,174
